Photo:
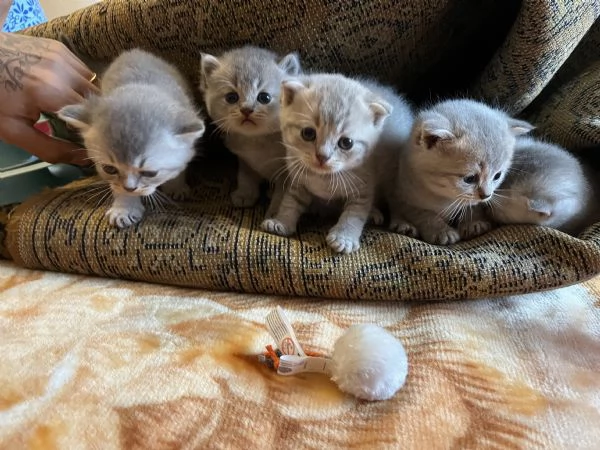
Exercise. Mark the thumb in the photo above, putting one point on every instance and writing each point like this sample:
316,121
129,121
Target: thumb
25,136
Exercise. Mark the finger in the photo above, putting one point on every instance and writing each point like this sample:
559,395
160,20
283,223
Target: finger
53,100
22,134
84,87
75,62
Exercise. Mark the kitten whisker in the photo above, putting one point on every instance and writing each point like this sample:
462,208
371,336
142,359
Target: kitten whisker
98,191
297,175
291,170
105,197
160,195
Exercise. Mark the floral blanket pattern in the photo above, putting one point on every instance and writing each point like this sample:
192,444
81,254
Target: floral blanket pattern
100,363
23,14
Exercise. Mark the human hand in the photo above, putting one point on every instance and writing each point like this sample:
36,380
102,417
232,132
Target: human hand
39,75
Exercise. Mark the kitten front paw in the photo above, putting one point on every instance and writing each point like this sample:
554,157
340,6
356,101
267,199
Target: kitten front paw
469,230
402,227
376,217
177,193
342,242
277,227
445,236
121,217
244,198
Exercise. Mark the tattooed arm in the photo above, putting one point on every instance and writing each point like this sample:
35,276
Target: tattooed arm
39,75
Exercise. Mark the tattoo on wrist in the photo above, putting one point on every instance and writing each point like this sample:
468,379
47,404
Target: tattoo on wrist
18,55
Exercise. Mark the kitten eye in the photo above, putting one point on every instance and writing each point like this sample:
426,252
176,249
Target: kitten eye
497,176
148,173
471,179
264,98
309,134
111,170
345,143
232,98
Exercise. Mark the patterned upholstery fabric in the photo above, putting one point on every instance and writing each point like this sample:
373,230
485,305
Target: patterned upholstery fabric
534,58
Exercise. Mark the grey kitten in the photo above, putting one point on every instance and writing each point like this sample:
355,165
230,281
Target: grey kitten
545,186
140,132
331,126
458,154
241,91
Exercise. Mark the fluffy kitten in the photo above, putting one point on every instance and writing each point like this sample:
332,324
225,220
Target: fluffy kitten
458,154
140,132
241,91
545,186
331,126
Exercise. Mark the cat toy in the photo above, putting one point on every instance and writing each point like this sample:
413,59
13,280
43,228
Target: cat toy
367,361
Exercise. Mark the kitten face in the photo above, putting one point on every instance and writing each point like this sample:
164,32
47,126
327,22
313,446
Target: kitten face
241,89
463,149
136,144
330,123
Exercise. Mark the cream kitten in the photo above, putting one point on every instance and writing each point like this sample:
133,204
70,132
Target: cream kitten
331,126
545,186
241,91
140,132
459,153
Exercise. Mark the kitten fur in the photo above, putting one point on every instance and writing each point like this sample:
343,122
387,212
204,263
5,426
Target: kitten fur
458,154
319,114
140,132
241,90
546,186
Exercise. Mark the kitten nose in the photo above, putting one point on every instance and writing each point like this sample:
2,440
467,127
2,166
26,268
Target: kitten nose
484,195
322,158
246,111
129,188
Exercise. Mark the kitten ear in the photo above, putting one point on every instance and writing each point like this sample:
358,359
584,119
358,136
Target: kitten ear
78,116
289,90
191,131
519,127
208,64
542,207
434,128
290,64
381,110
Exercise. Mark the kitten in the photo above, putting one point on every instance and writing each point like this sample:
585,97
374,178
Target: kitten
140,132
331,126
458,154
241,91
545,186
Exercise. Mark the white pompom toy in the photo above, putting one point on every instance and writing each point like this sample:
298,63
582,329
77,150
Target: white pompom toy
367,361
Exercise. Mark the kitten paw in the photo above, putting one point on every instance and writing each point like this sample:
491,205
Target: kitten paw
403,227
376,217
274,226
124,217
341,242
442,237
178,193
243,198
469,230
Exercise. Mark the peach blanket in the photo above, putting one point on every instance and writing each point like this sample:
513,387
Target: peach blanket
96,363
